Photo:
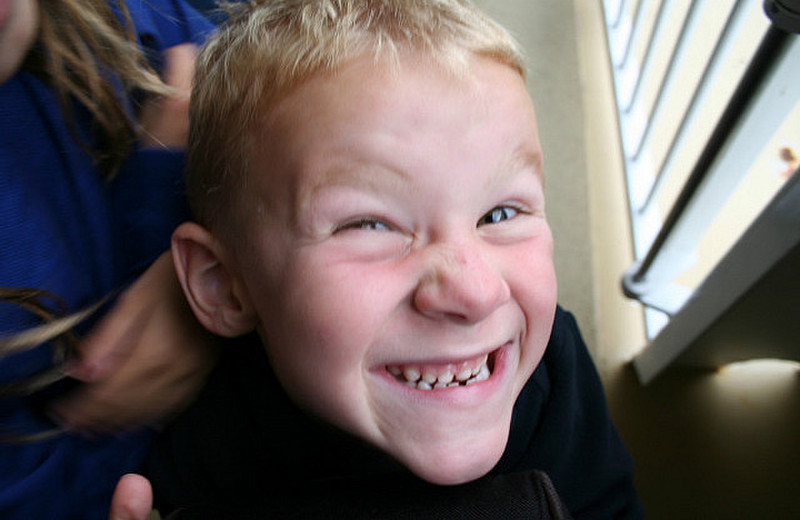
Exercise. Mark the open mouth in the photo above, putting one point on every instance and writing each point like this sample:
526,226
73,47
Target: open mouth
446,375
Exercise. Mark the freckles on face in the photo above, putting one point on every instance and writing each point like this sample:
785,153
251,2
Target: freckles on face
411,292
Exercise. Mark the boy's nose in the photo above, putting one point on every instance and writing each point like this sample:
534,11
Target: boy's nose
460,284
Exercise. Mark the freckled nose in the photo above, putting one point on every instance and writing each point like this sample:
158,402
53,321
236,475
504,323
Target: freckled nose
459,283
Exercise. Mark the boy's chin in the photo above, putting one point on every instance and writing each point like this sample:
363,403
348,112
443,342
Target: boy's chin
455,466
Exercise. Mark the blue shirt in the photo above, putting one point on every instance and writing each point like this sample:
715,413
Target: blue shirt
65,230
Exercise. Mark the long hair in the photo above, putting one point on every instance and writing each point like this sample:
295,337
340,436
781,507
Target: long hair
87,51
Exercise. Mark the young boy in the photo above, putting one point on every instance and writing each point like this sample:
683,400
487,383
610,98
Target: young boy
367,182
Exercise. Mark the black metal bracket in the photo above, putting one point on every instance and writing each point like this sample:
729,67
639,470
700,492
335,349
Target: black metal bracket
785,14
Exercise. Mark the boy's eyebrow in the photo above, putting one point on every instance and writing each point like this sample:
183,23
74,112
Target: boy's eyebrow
522,158
353,174
348,175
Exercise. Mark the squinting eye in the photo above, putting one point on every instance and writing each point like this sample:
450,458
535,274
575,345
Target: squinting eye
498,214
366,224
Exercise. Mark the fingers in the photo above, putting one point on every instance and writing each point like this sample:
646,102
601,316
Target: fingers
109,344
112,340
145,363
96,409
164,121
132,500
180,68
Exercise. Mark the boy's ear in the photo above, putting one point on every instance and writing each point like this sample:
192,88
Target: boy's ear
214,293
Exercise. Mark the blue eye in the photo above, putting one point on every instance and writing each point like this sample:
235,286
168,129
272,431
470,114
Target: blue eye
498,214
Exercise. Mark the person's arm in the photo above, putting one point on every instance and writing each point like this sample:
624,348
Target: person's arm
143,362
164,121
148,356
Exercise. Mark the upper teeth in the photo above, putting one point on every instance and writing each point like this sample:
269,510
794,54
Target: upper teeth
428,378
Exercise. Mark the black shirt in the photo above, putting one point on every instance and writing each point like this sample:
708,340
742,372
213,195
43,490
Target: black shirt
244,445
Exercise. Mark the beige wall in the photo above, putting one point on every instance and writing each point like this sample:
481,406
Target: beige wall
707,445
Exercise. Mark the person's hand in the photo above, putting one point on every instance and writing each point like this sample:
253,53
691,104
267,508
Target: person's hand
144,361
164,121
133,499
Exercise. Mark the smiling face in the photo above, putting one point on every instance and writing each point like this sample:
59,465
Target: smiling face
400,264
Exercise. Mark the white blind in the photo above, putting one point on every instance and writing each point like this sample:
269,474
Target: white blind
708,105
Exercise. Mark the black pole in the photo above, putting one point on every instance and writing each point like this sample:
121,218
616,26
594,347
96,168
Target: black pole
785,14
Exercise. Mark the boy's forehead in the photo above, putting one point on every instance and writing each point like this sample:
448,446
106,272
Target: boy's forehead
431,77
353,91
387,68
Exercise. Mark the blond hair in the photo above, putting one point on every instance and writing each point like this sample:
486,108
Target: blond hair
269,47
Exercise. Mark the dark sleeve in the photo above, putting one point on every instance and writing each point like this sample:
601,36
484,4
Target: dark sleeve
400,496
211,455
562,426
